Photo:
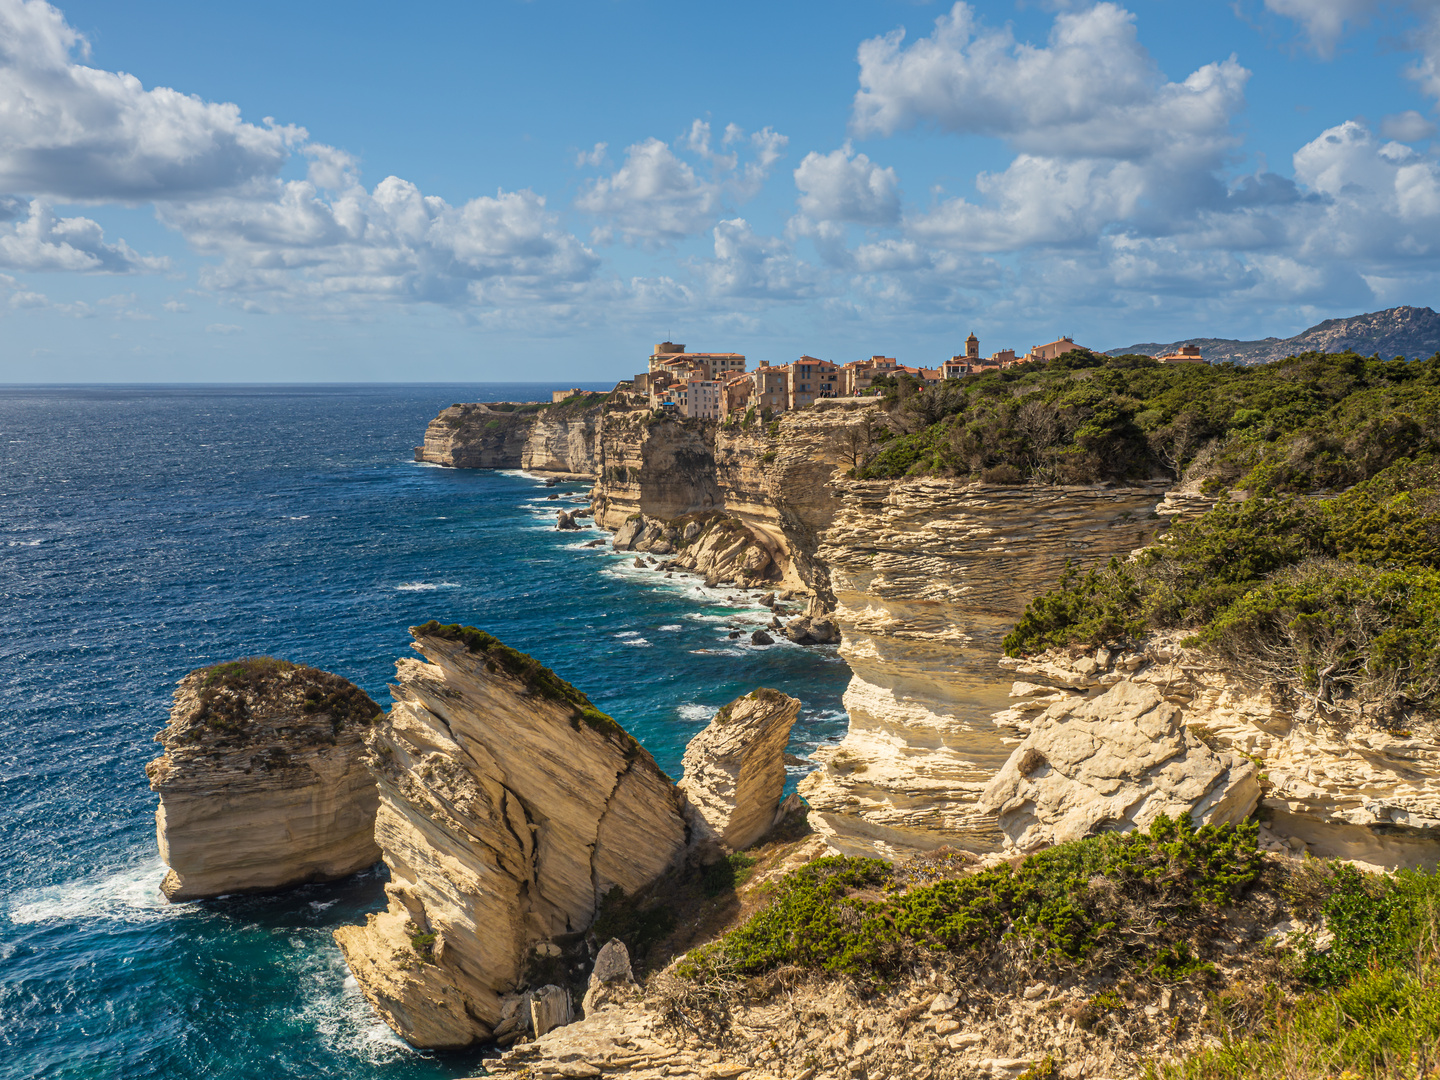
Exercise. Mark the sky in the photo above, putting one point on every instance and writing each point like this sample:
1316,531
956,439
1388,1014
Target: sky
495,190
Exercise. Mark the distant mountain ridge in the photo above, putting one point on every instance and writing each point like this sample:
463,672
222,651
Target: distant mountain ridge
1412,332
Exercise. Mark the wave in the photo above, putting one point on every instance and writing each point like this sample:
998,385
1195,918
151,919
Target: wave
24,543
696,714
637,642
425,586
671,627
128,895
339,1014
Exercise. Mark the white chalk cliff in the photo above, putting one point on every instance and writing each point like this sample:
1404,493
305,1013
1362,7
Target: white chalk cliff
262,784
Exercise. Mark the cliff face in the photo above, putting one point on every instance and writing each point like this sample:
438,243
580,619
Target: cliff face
508,809
476,437
1363,794
560,441
262,784
564,442
774,478
929,575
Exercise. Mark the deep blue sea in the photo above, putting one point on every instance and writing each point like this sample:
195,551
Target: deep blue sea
148,531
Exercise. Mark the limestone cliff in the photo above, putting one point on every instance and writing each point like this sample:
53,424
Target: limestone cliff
509,807
262,784
929,575
475,436
1353,793
564,441
772,478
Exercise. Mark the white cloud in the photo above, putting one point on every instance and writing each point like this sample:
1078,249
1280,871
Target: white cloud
176,307
1407,126
224,329
657,197
77,132
393,242
849,187
43,241
757,267
1325,23
1092,92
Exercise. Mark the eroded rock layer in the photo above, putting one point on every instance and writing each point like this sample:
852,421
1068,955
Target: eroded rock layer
262,784
929,575
475,436
735,769
509,807
1340,792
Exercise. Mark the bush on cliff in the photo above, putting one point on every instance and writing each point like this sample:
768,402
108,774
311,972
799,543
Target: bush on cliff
1375,1009
228,693
1337,598
1315,422
1102,902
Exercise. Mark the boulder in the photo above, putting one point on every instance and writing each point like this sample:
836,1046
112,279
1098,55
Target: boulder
735,770
263,783
565,521
1113,763
549,1009
611,979
768,600
760,637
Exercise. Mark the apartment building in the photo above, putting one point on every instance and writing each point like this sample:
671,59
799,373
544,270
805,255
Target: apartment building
857,375
812,379
771,387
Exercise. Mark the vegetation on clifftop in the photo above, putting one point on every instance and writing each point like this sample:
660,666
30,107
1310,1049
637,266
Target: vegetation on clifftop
535,676
1337,598
1137,898
1314,422
230,692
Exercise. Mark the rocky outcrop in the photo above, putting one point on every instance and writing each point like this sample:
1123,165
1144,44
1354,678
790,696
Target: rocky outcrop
558,440
1339,792
262,784
564,442
735,770
722,549
770,478
476,436
509,807
929,575
1114,763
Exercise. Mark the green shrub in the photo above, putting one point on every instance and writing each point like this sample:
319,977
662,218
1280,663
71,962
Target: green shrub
846,915
228,690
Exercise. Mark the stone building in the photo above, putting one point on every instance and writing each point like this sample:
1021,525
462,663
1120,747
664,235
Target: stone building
1186,354
857,375
812,379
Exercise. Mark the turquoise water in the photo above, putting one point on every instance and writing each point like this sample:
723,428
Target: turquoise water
148,531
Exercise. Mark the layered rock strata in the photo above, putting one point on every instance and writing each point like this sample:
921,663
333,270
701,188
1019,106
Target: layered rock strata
262,784
1113,763
563,442
929,575
1354,793
509,807
735,770
723,549
476,436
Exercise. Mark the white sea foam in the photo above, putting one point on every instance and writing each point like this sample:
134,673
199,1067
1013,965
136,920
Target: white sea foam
24,543
637,642
321,905
672,627
129,895
696,714
425,586
302,517
337,1011
628,633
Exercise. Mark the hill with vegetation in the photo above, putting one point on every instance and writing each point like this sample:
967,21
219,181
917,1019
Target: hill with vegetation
1412,332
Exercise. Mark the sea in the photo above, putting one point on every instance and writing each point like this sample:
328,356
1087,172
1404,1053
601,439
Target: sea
146,531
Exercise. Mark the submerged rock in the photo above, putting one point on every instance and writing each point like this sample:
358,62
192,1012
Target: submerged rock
509,808
1113,763
735,769
262,784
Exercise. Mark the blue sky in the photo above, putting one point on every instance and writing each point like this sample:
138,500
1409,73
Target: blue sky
507,190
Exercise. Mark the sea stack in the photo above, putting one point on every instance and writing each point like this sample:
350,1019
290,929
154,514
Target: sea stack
735,770
509,808
262,784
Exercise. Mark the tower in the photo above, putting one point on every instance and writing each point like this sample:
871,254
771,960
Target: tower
972,347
